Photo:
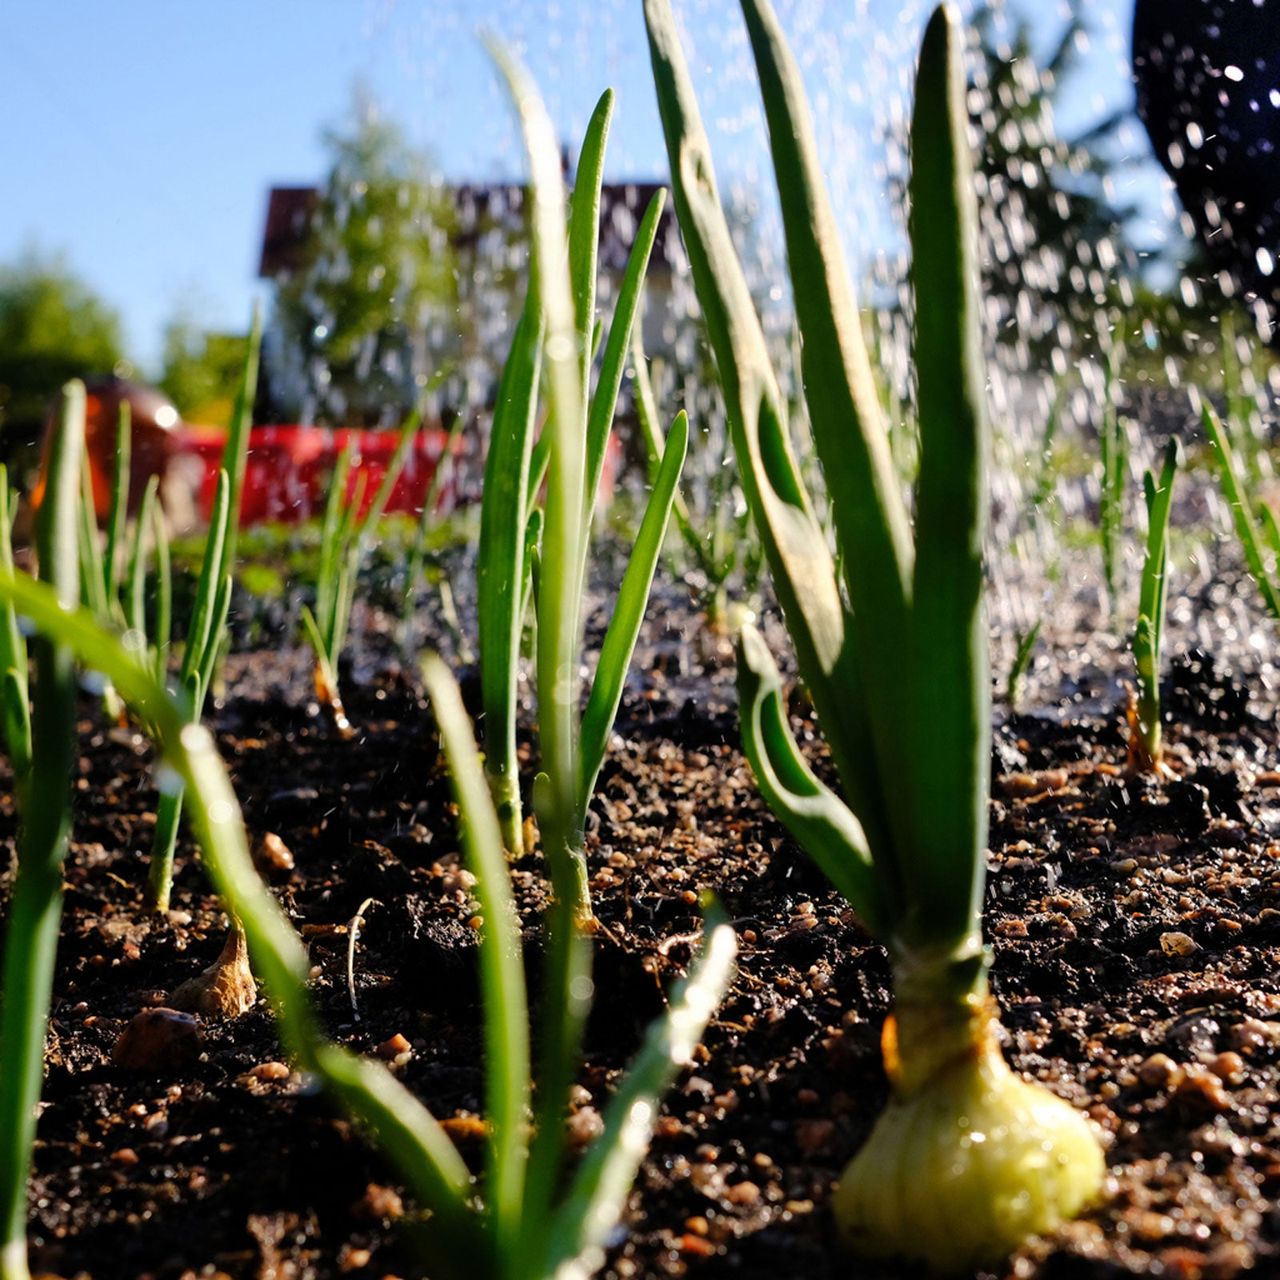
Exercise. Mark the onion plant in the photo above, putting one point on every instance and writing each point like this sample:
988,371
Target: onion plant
473,1228
344,539
1023,649
207,634
1255,524
113,583
554,348
1146,747
40,738
570,453
100,575
968,1158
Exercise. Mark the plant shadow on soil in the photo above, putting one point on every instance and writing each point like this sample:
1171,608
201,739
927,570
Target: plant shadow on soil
1135,931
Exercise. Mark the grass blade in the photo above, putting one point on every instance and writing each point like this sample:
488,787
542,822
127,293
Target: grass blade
567,966
501,564
93,570
35,902
118,512
949,672
647,414
605,401
803,570
15,711
873,536
628,611
584,227
607,1172
815,816
164,591
235,455
210,577
1021,661
135,580
420,1149
395,466
506,1013
1241,512
873,532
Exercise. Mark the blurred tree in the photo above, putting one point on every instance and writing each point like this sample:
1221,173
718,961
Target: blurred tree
351,321
52,327
201,370
1058,249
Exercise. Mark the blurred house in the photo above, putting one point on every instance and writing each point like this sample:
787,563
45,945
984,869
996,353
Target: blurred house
488,243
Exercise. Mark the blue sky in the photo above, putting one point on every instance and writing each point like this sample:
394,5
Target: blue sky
141,136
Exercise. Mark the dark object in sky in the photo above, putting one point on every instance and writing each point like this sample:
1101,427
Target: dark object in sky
1208,81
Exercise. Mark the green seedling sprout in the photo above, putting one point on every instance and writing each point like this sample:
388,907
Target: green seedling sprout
41,745
344,540
730,546
1241,418
114,583
472,1230
1256,527
1146,746
1113,441
562,307
1021,663
893,653
207,636
100,574
428,522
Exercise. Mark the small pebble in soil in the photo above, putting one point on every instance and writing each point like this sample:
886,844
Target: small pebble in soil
1200,1093
1159,1071
379,1204
158,1040
353,1259
273,1071
583,1127
1228,1067
395,1050
272,855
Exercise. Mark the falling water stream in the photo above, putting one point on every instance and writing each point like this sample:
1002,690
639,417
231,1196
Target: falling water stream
1056,303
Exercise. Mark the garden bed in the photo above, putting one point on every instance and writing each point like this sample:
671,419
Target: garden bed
1135,930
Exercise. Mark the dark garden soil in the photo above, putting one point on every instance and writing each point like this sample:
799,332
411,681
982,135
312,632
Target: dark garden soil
1136,931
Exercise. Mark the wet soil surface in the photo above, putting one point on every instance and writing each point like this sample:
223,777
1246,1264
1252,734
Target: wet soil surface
1136,931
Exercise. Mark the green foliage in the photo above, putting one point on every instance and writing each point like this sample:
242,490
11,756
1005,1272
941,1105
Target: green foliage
42,750
1056,188
52,327
489,1235
1021,662
377,262
562,290
207,635
344,539
729,550
200,369
1146,746
1255,524
514,533
1113,441
892,646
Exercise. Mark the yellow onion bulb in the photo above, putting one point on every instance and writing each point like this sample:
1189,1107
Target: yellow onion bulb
967,1166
